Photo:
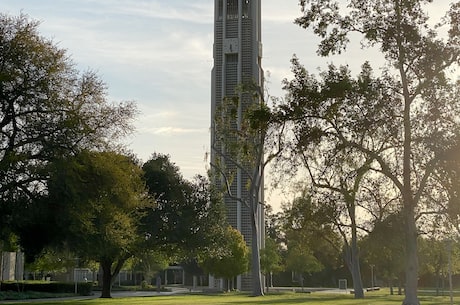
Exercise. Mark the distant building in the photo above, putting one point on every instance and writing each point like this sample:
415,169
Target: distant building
237,60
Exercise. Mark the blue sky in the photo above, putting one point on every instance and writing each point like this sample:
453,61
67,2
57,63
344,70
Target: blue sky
159,54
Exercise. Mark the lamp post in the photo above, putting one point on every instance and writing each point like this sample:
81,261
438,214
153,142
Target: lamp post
75,274
451,295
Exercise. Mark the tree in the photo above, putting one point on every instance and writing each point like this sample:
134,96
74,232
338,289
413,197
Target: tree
273,224
434,259
245,139
270,260
51,261
300,259
232,260
98,199
327,114
150,262
448,175
310,236
383,247
47,109
317,110
188,219
419,90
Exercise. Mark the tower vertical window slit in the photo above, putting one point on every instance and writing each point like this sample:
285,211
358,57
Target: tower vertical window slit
220,9
232,9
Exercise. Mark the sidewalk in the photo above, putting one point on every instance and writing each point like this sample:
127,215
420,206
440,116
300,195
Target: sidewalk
97,294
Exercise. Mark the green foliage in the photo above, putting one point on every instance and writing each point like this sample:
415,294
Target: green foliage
301,260
150,262
257,130
403,121
53,260
48,109
384,248
434,256
10,242
98,199
189,218
273,224
233,258
309,232
49,287
270,257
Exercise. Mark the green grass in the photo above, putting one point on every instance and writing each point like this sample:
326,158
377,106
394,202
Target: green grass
374,298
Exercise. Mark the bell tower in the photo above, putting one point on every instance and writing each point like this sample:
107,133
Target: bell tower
237,56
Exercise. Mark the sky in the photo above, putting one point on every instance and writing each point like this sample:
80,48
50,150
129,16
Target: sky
158,53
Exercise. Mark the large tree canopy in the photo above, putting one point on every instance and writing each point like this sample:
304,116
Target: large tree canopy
98,200
47,109
189,218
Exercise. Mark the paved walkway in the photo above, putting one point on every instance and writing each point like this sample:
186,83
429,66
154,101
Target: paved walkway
174,290
97,294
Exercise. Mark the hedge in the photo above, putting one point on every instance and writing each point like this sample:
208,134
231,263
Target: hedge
51,287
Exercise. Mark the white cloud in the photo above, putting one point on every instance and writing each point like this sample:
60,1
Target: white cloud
170,131
195,12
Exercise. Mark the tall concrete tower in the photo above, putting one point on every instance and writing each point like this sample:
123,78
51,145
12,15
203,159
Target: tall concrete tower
237,60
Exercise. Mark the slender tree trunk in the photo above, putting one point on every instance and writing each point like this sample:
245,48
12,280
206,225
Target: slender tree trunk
409,210
354,259
411,259
257,289
409,203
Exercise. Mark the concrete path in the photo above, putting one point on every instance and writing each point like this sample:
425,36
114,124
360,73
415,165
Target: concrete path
97,294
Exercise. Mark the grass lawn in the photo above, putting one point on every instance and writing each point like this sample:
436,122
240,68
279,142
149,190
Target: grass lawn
375,298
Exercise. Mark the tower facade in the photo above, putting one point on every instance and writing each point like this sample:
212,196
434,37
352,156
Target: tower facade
237,60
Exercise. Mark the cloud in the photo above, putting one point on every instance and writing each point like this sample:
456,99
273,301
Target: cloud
193,11
171,131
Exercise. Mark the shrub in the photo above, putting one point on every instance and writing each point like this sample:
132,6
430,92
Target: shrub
50,287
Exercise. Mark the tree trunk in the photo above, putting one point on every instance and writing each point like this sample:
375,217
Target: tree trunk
106,267
352,261
108,277
257,289
409,203
411,259
354,253
357,281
